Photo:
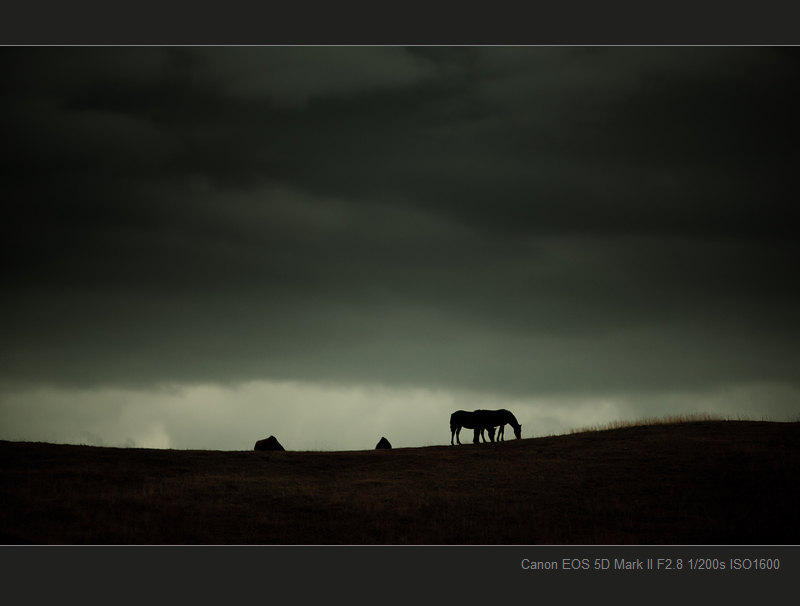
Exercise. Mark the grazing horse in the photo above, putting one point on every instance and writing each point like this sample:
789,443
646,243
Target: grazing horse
462,418
490,419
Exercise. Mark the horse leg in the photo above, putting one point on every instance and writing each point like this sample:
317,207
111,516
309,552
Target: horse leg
458,433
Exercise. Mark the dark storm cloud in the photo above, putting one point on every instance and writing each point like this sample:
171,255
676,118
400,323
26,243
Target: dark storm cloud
511,219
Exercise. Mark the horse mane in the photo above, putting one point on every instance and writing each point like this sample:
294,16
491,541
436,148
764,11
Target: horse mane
512,420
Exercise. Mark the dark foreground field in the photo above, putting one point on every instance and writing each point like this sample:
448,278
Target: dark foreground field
719,482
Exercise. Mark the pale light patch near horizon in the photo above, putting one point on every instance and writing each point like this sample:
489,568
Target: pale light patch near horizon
95,417
326,417
302,416
310,416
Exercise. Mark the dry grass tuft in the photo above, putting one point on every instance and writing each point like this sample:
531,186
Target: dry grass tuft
663,420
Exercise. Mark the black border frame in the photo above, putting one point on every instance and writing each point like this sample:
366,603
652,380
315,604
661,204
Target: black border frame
212,573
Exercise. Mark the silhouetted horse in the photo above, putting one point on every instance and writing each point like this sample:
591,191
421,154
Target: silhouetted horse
462,418
489,419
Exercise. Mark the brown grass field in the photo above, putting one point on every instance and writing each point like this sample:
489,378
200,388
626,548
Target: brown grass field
693,483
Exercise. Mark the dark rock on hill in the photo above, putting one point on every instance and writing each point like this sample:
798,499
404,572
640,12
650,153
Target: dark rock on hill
271,443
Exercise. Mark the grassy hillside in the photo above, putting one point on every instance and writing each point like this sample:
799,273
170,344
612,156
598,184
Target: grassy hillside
709,482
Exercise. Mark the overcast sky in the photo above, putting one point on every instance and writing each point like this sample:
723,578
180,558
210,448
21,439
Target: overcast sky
202,247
